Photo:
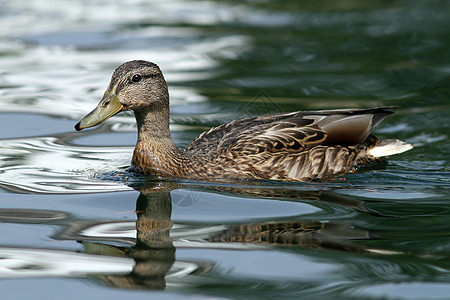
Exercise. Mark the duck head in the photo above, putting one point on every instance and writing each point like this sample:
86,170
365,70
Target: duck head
135,85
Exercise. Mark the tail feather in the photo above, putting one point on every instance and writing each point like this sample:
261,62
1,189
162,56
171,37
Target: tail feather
389,147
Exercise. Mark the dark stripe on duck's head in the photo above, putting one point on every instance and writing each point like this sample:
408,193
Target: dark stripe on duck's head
120,79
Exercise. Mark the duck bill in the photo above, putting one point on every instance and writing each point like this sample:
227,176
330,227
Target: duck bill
108,107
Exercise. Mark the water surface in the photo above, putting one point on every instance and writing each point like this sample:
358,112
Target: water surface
74,222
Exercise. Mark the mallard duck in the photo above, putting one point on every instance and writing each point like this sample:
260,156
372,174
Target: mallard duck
296,146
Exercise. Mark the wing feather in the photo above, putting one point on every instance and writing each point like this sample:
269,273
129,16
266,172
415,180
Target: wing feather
300,145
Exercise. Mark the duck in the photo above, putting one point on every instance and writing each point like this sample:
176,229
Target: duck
297,146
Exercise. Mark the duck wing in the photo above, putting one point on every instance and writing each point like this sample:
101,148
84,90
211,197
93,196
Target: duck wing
291,132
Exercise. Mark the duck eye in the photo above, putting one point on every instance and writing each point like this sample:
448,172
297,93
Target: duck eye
136,78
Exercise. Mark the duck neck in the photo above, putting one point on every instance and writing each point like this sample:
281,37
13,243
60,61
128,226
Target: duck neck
156,152
153,126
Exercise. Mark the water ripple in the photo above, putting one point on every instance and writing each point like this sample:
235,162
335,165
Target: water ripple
44,165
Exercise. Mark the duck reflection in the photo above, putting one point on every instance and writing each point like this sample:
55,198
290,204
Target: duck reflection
154,250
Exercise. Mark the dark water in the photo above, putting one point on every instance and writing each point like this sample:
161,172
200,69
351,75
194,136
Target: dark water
74,224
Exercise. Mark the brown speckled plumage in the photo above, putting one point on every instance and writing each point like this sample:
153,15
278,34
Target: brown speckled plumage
297,146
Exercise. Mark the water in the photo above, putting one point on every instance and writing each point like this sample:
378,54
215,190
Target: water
74,223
